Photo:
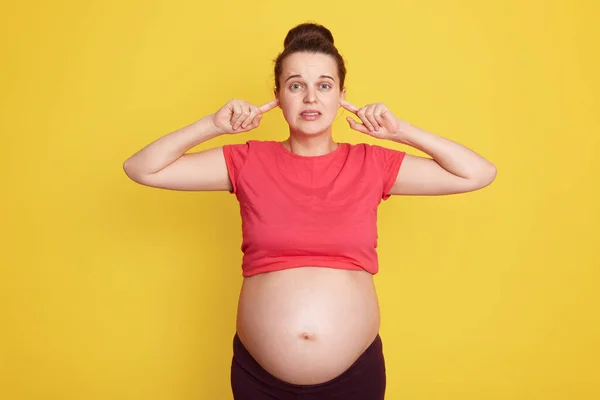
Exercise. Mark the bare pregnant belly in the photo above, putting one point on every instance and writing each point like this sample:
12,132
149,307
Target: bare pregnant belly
308,325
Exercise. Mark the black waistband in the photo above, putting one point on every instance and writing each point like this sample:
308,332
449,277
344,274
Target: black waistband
244,360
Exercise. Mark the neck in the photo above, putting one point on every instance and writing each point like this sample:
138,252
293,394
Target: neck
310,145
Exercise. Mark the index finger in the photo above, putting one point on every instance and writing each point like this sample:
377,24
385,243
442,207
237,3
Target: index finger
269,106
349,107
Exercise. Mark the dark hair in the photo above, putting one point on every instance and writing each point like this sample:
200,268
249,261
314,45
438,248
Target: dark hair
311,38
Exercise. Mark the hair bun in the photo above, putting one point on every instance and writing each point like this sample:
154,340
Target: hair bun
309,38
308,31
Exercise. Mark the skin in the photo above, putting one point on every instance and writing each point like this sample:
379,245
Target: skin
310,81
307,330
313,322
307,325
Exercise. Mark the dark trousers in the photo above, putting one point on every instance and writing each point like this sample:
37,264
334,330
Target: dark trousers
363,380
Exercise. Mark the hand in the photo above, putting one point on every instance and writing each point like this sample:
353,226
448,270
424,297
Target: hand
238,116
377,120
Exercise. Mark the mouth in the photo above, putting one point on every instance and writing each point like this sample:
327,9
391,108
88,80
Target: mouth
310,115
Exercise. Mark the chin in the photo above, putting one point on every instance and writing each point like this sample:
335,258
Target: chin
313,131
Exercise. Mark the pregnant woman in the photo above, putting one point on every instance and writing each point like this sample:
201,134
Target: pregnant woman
308,316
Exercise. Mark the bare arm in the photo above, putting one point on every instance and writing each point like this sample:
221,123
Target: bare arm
164,164
452,168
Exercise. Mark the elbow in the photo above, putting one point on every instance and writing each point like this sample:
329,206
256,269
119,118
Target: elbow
487,176
127,168
130,171
136,174
492,172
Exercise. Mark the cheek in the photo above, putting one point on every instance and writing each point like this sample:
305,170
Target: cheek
289,104
287,108
331,103
284,103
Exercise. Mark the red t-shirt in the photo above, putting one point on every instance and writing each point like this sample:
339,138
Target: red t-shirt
310,211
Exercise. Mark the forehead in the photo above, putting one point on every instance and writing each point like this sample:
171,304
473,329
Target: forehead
309,65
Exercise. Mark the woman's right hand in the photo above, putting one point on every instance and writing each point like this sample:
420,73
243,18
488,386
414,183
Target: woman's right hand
238,116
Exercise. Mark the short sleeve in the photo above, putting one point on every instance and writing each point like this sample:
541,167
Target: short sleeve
388,161
235,158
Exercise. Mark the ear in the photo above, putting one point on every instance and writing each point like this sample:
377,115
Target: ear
276,94
343,94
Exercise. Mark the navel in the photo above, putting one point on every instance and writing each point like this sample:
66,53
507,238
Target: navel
307,336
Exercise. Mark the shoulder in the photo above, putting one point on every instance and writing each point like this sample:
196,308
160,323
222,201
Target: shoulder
249,146
373,151
241,156
241,153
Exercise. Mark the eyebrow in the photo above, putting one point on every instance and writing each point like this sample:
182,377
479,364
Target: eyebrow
300,76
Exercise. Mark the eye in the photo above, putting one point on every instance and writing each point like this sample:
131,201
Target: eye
325,86
295,86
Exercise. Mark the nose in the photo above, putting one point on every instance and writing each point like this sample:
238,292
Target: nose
310,96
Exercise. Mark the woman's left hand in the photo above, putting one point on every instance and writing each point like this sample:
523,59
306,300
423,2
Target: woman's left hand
377,120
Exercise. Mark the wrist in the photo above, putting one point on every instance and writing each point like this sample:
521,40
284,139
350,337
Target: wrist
208,127
403,132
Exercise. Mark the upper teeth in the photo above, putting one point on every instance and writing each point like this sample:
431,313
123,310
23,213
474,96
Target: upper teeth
310,113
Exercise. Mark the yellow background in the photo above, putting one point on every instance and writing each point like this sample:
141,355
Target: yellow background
112,290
